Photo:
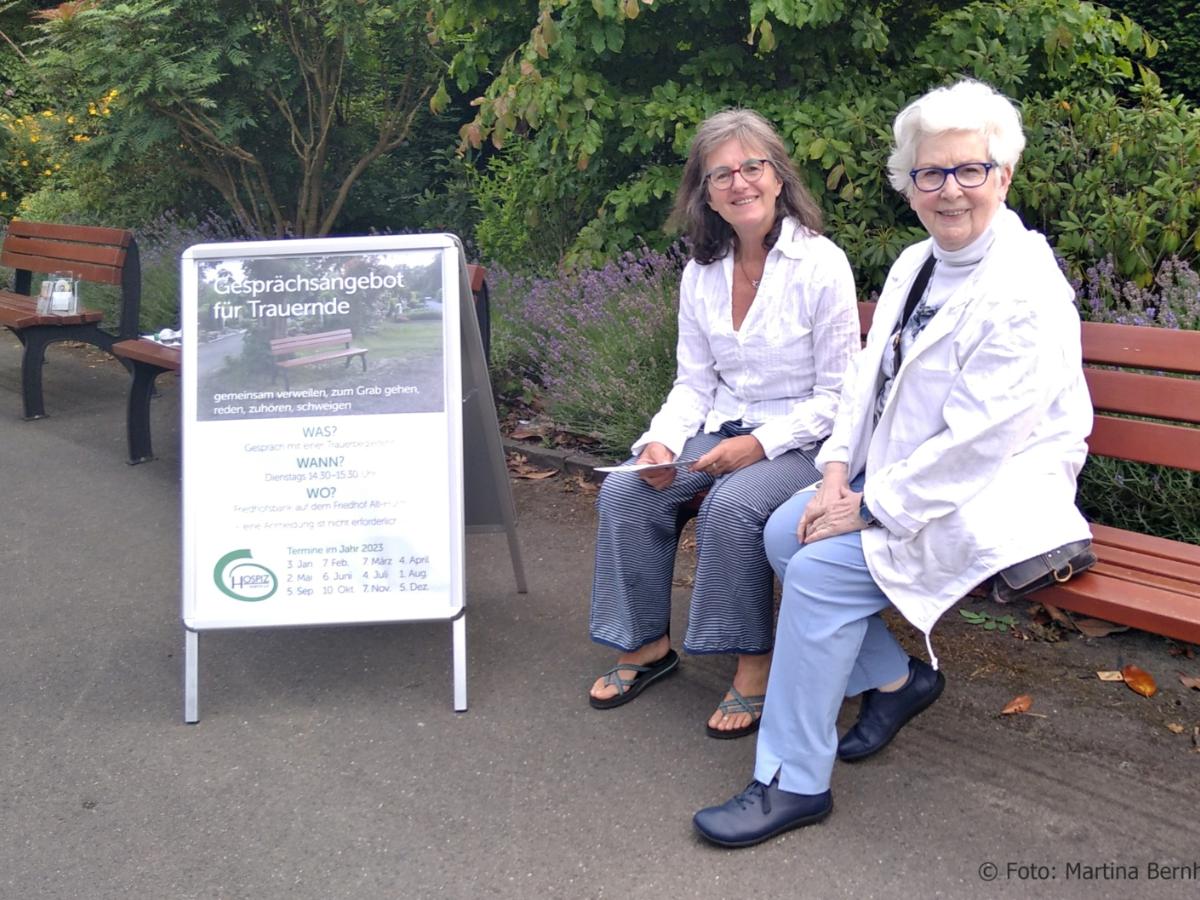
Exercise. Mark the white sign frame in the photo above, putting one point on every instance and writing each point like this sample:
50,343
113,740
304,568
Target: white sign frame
207,437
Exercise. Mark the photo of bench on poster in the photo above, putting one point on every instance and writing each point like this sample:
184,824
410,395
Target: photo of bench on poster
341,494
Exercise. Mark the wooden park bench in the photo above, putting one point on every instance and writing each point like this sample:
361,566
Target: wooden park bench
90,254
149,359
306,349
1145,415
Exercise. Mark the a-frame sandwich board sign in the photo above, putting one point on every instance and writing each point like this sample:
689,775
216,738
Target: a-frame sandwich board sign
327,387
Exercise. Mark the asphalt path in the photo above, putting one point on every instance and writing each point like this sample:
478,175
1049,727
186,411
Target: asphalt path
329,763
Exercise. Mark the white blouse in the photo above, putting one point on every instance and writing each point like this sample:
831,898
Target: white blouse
781,372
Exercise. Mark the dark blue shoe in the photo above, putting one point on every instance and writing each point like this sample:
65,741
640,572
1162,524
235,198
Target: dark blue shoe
759,812
883,715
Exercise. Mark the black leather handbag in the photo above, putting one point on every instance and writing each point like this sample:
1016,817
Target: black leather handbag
1059,565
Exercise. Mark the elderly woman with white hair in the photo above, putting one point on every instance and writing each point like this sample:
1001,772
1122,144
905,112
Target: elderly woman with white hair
953,458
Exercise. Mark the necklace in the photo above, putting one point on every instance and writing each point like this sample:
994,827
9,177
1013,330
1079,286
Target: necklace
754,283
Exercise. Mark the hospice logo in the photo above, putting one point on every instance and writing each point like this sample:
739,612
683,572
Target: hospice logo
243,580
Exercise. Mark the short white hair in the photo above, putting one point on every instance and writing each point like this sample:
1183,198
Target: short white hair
966,106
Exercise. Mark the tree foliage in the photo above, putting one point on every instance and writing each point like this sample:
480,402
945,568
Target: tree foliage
279,105
624,83
1177,24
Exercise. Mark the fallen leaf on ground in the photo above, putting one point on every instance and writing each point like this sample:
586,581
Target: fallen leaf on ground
535,474
1098,627
1058,615
1016,705
1175,728
579,483
519,467
1042,632
1139,681
524,433
1191,681
1110,676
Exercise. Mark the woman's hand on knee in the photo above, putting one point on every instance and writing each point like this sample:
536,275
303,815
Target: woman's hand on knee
730,455
840,516
655,453
834,489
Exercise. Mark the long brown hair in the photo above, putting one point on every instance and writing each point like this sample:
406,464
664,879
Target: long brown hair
712,236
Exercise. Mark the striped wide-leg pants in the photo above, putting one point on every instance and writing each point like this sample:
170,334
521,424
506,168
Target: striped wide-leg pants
731,608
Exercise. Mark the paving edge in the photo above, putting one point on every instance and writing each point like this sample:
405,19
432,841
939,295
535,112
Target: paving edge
569,461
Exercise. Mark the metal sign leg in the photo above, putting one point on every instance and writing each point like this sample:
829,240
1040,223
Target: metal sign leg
459,627
191,679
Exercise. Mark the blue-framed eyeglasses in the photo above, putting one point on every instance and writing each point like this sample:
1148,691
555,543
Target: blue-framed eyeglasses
968,175
721,177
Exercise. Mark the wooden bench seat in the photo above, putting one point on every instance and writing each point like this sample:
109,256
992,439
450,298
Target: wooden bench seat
306,349
92,255
149,359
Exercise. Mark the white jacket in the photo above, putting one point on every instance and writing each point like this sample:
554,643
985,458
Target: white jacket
972,465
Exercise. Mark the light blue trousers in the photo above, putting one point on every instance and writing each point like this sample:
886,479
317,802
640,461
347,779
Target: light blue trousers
830,644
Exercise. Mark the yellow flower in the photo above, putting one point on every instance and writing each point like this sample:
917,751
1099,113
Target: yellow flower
33,139
57,166
70,120
91,109
113,94
49,114
3,195
47,172
105,110
25,162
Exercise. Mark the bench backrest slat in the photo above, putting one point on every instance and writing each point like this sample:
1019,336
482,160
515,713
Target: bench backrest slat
1147,442
1136,394
1162,349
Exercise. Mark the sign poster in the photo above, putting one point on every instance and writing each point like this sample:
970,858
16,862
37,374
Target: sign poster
322,475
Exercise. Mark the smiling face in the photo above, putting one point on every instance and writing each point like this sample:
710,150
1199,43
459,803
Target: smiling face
955,216
748,207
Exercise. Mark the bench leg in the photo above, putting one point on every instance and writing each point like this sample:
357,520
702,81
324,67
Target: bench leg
137,413
34,341
33,357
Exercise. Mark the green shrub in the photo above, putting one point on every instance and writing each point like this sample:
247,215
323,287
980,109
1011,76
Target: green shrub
1110,178
531,209
1152,499
1177,23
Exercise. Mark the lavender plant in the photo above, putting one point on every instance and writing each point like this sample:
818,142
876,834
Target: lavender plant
160,244
593,348
1172,300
